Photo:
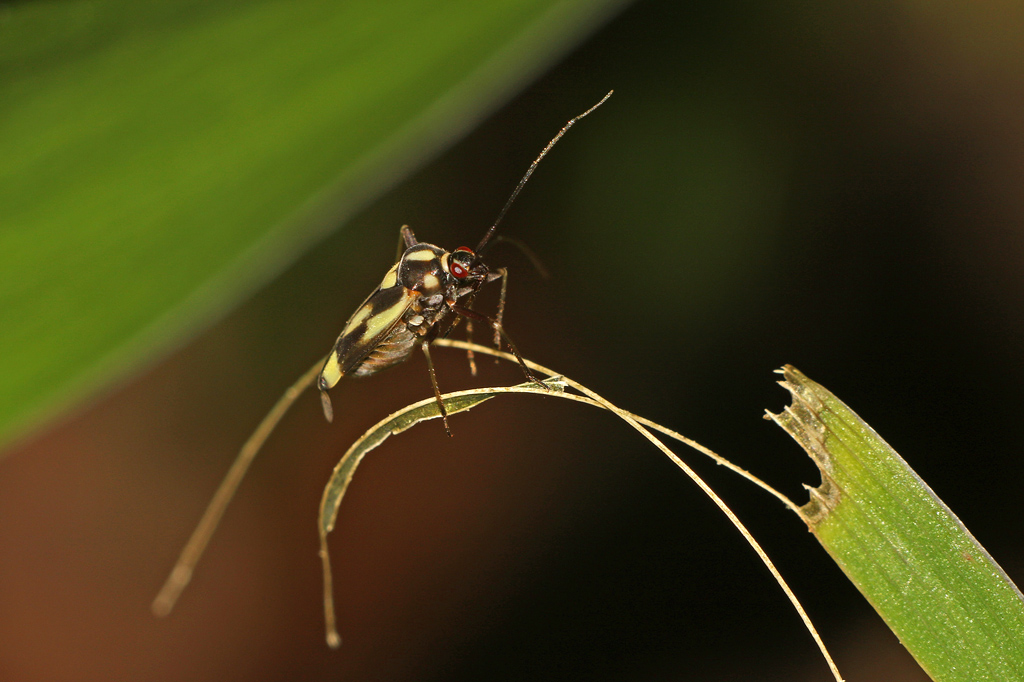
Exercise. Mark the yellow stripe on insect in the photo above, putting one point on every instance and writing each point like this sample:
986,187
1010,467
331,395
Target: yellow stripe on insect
357,319
390,279
379,323
332,371
423,254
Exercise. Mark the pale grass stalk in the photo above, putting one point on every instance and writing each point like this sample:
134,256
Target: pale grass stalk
182,572
193,550
629,419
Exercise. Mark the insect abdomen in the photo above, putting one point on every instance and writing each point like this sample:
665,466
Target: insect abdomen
393,349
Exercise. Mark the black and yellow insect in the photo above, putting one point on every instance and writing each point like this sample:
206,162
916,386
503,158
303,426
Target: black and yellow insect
422,296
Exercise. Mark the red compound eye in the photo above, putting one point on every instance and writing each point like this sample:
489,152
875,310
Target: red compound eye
460,261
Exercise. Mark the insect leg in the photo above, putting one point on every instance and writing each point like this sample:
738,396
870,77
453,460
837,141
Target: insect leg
437,392
474,315
469,339
470,355
501,307
405,239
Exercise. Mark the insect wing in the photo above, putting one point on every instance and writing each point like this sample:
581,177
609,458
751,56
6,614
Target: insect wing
365,330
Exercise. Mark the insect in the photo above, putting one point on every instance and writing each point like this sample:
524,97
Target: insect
422,297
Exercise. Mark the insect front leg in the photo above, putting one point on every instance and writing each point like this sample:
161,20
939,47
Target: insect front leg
500,331
470,355
425,345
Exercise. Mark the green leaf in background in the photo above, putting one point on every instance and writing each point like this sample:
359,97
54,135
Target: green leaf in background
942,594
159,160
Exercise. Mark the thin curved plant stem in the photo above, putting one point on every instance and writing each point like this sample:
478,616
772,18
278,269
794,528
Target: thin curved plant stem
792,506
628,418
181,574
395,423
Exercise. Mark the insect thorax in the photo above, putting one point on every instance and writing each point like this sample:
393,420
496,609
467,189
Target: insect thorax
420,269
407,308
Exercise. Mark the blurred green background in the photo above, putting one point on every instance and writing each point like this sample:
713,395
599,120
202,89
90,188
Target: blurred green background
837,186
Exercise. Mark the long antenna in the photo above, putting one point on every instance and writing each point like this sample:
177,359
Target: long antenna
533,167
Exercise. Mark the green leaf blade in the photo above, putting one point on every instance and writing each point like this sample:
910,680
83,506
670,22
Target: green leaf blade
946,598
160,160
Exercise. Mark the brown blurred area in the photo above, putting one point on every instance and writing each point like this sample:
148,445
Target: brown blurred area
838,187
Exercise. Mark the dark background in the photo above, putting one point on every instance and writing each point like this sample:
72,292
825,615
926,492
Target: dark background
837,187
